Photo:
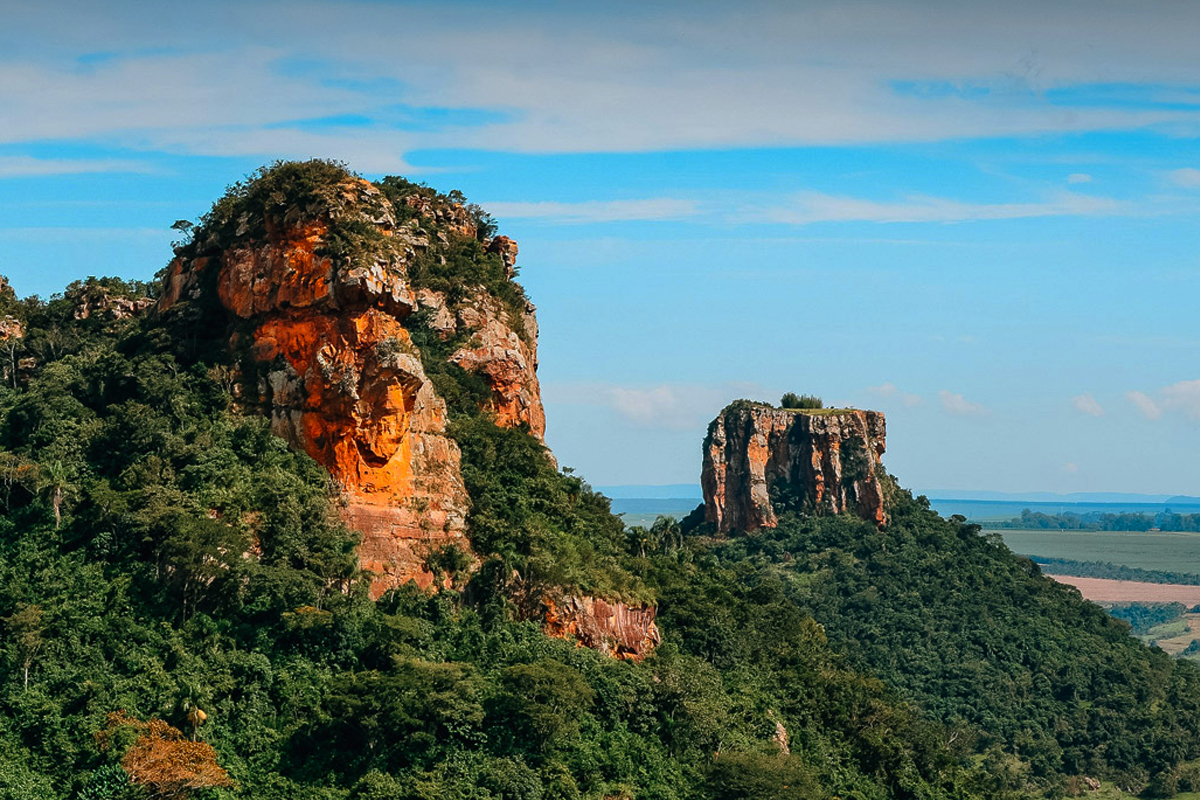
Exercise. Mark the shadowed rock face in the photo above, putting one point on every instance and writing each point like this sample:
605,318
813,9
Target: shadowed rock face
325,354
827,462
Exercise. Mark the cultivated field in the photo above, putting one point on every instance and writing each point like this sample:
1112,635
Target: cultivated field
1168,552
1102,590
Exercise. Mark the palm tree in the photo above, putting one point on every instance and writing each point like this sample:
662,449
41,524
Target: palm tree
54,485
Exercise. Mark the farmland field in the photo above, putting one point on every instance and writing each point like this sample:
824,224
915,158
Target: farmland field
1101,590
1167,552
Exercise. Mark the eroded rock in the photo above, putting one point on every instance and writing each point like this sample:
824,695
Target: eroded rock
613,628
825,461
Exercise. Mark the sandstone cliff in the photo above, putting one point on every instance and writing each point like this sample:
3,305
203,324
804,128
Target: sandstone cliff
317,293
825,461
615,629
347,309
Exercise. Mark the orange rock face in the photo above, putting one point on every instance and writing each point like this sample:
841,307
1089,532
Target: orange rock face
352,393
826,463
339,377
615,629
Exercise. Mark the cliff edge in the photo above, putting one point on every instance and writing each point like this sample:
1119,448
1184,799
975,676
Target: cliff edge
760,460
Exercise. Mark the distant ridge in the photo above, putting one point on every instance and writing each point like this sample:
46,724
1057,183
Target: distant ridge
692,491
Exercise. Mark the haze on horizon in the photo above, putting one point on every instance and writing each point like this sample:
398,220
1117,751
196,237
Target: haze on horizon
979,218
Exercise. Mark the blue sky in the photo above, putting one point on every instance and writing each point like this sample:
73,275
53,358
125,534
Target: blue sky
980,218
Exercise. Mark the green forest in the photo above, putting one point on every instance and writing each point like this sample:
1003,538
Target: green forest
183,616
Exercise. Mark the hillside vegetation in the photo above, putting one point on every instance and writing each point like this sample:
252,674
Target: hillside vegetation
1035,682
183,615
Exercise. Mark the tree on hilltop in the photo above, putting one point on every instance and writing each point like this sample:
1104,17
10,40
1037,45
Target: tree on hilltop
793,400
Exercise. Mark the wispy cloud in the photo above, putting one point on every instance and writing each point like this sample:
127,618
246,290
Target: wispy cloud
674,406
1187,177
27,166
1087,404
889,390
956,404
659,404
1184,397
1145,404
1079,177
785,75
649,209
810,207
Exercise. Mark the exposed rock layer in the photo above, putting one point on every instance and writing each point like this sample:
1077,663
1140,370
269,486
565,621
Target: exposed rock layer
499,345
616,629
825,462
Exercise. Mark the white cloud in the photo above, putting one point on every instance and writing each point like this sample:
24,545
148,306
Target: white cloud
1187,177
1183,396
657,208
954,403
625,78
1079,177
674,406
1088,405
646,405
810,207
890,390
26,166
1145,404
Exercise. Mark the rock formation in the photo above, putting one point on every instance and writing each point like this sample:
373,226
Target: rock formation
11,328
825,461
498,347
317,295
322,289
114,307
616,629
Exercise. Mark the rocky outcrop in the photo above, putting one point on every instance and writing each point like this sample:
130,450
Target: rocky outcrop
11,328
325,354
323,288
116,308
613,628
824,461
451,217
500,345
507,249
351,391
